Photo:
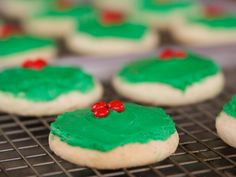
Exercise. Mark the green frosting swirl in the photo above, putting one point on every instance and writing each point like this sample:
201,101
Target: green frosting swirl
17,44
126,30
76,12
165,6
230,107
225,21
178,73
137,124
46,84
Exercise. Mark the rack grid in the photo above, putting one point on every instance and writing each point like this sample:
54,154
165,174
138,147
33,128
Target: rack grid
24,149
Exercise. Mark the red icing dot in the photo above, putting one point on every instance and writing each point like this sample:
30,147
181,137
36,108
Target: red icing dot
180,54
99,105
37,64
101,112
112,17
63,4
166,54
116,105
211,11
6,30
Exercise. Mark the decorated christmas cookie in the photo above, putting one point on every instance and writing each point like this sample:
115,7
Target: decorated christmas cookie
110,33
125,6
161,13
16,48
21,9
39,89
226,123
175,77
114,135
211,26
57,21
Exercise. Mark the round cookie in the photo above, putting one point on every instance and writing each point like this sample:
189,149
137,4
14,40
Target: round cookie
226,123
211,26
161,13
114,135
21,9
174,78
110,33
15,49
36,89
56,22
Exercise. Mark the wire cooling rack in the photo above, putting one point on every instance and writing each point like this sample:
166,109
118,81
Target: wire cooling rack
24,147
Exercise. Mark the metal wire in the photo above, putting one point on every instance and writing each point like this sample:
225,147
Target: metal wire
24,147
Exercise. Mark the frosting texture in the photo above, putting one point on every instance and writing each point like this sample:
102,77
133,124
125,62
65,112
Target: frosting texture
224,21
16,44
137,124
45,84
165,5
126,30
230,107
176,72
76,12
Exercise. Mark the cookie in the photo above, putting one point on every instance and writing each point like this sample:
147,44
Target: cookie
15,49
56,22
226,123
110,33
21,9
114,135
211,26
173,78
124,6
161,13
38,89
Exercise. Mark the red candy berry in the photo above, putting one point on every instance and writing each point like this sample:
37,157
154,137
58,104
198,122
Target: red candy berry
109,17
166,54
101,109
37,64
169,53
99,105
180,54
116,105
100,113
213,11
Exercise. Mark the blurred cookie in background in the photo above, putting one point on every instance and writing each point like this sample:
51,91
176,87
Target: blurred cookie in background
21,9
111,33
16,47
38,89
161,13
124,6
174,78
57,21
211,26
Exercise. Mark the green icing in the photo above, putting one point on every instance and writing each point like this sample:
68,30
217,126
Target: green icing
225,21
76,12
230,107
164,5
178,73
137,124
127,30
16,44
46,84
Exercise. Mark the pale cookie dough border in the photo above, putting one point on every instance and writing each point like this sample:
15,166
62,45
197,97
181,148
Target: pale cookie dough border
50,26
129,155
201,35
86,44
46,53
165,95
66,102
226,128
